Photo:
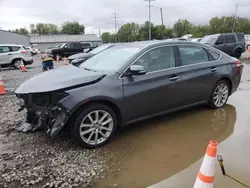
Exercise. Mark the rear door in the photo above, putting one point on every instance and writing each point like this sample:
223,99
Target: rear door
156,91
5,55
197,74
230,44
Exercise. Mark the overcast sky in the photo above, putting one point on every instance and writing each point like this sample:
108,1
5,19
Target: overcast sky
96,14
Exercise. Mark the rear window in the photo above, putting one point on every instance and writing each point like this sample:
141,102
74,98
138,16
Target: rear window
230,39
214,55
14,48
240,37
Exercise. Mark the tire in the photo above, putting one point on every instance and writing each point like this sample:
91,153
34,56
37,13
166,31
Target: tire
237,53
85,132
219,94
17,63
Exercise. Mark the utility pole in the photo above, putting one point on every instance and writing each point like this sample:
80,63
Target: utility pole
236,11
115,19
162,24
100,33
149,19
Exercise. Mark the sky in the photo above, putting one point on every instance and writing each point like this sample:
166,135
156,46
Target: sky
95,14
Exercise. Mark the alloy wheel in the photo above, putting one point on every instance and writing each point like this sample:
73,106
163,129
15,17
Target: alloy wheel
220,95
96,127
17,64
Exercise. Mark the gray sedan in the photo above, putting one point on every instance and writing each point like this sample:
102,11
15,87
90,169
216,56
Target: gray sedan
128,83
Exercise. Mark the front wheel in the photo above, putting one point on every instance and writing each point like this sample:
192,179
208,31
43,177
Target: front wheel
219,95
94,126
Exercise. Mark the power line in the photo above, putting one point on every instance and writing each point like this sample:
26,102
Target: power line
115,19
149,17
236,11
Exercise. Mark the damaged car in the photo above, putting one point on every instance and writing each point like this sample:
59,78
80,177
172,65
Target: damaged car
127,83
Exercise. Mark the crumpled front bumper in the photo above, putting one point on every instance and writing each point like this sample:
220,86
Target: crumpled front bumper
50,117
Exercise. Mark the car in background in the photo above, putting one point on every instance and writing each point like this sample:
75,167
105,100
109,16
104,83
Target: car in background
13,55
232,44
32,50
127,83
195,39
69,48
77,59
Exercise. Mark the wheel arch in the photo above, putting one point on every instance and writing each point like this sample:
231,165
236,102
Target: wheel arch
17,58
111,104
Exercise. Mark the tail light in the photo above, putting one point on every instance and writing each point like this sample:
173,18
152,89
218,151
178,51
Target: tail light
239,65
24,51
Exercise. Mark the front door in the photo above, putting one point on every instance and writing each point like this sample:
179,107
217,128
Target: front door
230,44
157,90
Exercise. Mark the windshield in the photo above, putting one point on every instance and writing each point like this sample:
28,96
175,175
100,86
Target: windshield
211,39
111,59
99,49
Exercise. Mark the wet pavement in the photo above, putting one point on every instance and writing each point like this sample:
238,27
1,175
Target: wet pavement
151,151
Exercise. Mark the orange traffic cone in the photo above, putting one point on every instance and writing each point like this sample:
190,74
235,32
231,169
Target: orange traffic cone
57,58
65,61
23,67
2,89
205,178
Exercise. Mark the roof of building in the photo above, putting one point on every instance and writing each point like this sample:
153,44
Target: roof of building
63,38
1,30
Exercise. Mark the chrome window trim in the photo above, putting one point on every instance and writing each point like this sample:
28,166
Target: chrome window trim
173,45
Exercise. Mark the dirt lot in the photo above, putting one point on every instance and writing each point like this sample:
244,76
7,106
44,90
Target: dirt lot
138,156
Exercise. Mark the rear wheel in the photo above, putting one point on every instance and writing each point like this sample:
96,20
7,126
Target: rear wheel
237,53
219,95
17,63
94,126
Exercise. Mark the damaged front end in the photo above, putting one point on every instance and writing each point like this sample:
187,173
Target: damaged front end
44,111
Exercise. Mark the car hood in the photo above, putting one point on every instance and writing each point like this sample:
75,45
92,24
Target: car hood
80,56
67,77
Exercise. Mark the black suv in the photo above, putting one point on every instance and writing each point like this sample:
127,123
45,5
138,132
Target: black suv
231,43
70,48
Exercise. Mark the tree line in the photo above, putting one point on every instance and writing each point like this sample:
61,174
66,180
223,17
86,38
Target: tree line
134,32
71,28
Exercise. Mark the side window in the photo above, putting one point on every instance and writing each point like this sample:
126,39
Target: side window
86,44
77,45
240,37
70,45
14,48
4,49
157,59
221,40
214,55
192,55
230,39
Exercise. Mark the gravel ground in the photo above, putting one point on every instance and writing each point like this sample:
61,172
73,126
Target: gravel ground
34,159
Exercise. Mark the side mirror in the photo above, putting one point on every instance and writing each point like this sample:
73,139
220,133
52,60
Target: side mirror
136,70
65,46
218,42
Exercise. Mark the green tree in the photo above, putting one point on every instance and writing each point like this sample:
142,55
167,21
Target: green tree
182,27
22,31
72,28
106,37
42,28
129,32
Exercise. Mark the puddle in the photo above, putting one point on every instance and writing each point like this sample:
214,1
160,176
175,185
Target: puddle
153,150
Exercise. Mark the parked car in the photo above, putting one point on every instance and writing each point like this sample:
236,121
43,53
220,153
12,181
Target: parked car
127,83
232,44
77,59
11,55
70,48
32,50
195,39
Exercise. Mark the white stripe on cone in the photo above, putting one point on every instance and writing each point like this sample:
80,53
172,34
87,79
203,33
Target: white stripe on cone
208,166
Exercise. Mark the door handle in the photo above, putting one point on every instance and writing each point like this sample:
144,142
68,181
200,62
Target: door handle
10,54
213,69
174,78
